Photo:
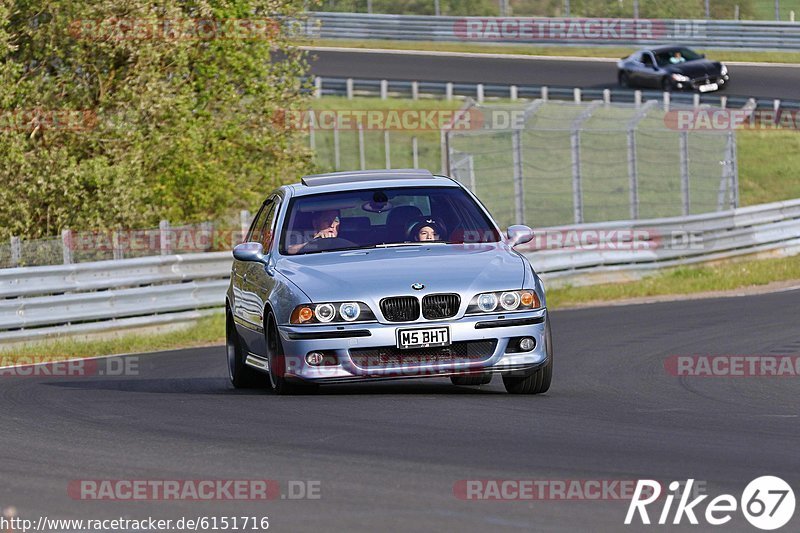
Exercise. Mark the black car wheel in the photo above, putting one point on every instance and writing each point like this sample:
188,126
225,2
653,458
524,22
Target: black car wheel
241,375
539,381
277,363
623,79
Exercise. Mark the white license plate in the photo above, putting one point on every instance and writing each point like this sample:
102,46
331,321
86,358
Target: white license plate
709,87
423,337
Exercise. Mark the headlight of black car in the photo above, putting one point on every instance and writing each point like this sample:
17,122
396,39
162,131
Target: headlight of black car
504,302
332,313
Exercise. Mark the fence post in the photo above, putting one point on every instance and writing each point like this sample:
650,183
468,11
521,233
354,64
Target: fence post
312,137
164,237
606,96
415,151
244,223
415,90
637,97
318,87
723,102
362,151
471,170
576,95
66,245
519,186
696,100
444,147
448,91
577,193
16,252
666,101
384,89
480,93
387,149
337,152
513,92
349,86
633,174
544,92
684,156
734,170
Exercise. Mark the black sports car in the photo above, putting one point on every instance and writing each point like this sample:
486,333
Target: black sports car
672,68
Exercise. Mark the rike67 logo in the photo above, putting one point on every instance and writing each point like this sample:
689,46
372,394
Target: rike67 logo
767,503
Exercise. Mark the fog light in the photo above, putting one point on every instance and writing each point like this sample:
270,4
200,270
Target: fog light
315,358
526,344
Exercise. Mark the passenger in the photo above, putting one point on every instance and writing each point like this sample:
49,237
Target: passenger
427,229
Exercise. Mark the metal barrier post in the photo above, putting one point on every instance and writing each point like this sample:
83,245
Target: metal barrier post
387,149
362,152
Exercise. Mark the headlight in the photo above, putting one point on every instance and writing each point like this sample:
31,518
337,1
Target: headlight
723,70
325,312
349,311
333,312
680,77
487,302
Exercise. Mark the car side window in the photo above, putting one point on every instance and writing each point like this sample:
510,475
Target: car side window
258,222
647,60
268,229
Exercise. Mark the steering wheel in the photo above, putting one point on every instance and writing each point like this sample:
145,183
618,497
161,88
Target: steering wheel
320,244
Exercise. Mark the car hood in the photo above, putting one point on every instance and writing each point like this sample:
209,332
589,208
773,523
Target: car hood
696,69
369,275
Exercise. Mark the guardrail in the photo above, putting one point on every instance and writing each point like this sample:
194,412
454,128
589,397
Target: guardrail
93,297
353,87
720,34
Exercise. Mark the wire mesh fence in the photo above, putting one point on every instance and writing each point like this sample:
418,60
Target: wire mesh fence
566,163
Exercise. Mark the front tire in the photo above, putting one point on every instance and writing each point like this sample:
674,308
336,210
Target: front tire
277,363
241,375
539,381
624,80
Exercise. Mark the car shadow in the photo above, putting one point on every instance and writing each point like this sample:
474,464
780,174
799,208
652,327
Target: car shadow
221,386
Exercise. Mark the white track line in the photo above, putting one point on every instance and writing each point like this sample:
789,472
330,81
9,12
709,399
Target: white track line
482,55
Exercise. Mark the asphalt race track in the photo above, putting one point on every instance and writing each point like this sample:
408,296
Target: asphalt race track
746,80
388,455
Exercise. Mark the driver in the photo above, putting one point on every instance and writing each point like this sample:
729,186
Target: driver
427,229
677,57
326,226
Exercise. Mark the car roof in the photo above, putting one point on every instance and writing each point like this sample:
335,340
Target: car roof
664,48
368,179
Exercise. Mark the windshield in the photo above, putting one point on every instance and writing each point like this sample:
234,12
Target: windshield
384,217
676,56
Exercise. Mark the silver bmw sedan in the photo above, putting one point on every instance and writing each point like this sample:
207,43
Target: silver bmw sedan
387,274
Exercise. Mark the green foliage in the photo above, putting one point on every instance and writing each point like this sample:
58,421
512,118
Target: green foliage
176,128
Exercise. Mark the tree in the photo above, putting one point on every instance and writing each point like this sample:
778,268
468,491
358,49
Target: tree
122,112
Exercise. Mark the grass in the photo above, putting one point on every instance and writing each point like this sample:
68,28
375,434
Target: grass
683,280
543,50
768,163
207,331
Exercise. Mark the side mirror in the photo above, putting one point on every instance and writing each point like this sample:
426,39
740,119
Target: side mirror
249,251
519,235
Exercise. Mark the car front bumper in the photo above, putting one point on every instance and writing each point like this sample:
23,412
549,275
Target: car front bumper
340,342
